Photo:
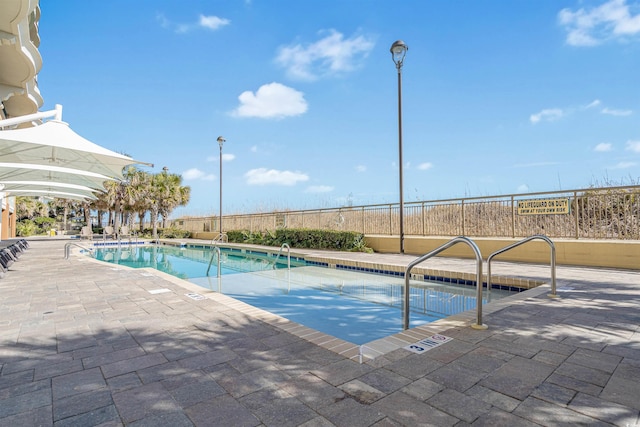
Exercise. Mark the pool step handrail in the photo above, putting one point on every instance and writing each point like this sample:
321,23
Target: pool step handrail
284,245
523,241
456,240
67,248
215,250
220,238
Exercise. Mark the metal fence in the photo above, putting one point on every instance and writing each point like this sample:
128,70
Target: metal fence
594,213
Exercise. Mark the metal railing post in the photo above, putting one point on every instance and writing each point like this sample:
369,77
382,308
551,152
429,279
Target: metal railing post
407,278
514,245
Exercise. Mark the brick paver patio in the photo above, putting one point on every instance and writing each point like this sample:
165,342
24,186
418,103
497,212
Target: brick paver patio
86,344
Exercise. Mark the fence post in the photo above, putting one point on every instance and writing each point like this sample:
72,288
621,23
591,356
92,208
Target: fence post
463,218
513,218
423,219
575,199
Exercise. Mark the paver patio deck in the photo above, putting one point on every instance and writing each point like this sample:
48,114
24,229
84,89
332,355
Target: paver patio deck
85,343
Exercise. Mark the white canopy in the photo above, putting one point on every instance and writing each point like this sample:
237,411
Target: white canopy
52,160
55,144
51,174
27,188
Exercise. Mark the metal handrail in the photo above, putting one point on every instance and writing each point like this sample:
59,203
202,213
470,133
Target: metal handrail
215,249
222,238
407,277
68,246
534,237
284,245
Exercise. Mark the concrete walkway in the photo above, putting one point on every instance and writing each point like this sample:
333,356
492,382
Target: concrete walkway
84,344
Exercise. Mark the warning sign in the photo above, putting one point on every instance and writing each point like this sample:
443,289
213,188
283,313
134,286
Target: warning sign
543,207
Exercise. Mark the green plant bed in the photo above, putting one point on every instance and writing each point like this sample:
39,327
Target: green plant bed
303,238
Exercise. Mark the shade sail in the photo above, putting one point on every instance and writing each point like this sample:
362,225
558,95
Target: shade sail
52,194
18,188
53,174
55,144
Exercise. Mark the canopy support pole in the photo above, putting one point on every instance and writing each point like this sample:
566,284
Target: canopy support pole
56,114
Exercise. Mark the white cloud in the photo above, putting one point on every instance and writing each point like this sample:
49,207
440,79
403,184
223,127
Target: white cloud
330,55
553,114
264,176
208,22
254,149
603,146
272,100
549,115
624,165
593,26
212,22
633,146
319,189
613,112
522,188
195,173
592,104
425,166
361,168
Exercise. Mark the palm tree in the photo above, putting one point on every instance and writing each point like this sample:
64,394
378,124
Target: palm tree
25,207
166,194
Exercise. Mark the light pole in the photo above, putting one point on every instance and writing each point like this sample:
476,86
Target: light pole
398,51
221,141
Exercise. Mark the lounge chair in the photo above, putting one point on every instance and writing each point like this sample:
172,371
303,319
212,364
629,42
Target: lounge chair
125,232
108,231
86,232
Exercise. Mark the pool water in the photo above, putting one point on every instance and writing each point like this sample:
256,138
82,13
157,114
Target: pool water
355,306
188,262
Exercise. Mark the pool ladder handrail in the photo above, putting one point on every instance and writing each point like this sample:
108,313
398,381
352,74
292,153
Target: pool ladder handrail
68,246
135,239
525,240
221,238
284,245
215,250
456,240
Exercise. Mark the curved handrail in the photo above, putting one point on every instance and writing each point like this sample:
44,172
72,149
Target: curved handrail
534,237
221,238
68,246
284,245
476,250
215,249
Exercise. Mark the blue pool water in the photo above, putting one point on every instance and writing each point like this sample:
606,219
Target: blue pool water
355,306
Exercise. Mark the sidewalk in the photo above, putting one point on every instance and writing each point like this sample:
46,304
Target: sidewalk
84,343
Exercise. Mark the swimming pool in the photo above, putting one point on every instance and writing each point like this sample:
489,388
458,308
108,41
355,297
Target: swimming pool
358,307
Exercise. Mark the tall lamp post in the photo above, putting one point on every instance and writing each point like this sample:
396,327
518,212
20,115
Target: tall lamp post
221,141
398,51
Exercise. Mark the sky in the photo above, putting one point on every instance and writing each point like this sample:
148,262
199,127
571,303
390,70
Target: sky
498,97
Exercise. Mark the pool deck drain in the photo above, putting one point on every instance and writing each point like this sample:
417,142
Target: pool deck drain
85,344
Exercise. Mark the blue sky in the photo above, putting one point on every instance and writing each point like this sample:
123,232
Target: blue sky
499,97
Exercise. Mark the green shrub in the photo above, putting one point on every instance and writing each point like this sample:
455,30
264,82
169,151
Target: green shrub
45,223
303,238
173,233
26,228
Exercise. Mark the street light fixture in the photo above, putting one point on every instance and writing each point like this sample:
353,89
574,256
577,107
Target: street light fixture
398,51
221,141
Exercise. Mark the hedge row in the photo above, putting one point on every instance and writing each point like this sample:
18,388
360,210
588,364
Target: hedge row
303,238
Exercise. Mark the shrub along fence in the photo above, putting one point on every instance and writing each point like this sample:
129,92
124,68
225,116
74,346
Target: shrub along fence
594,213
